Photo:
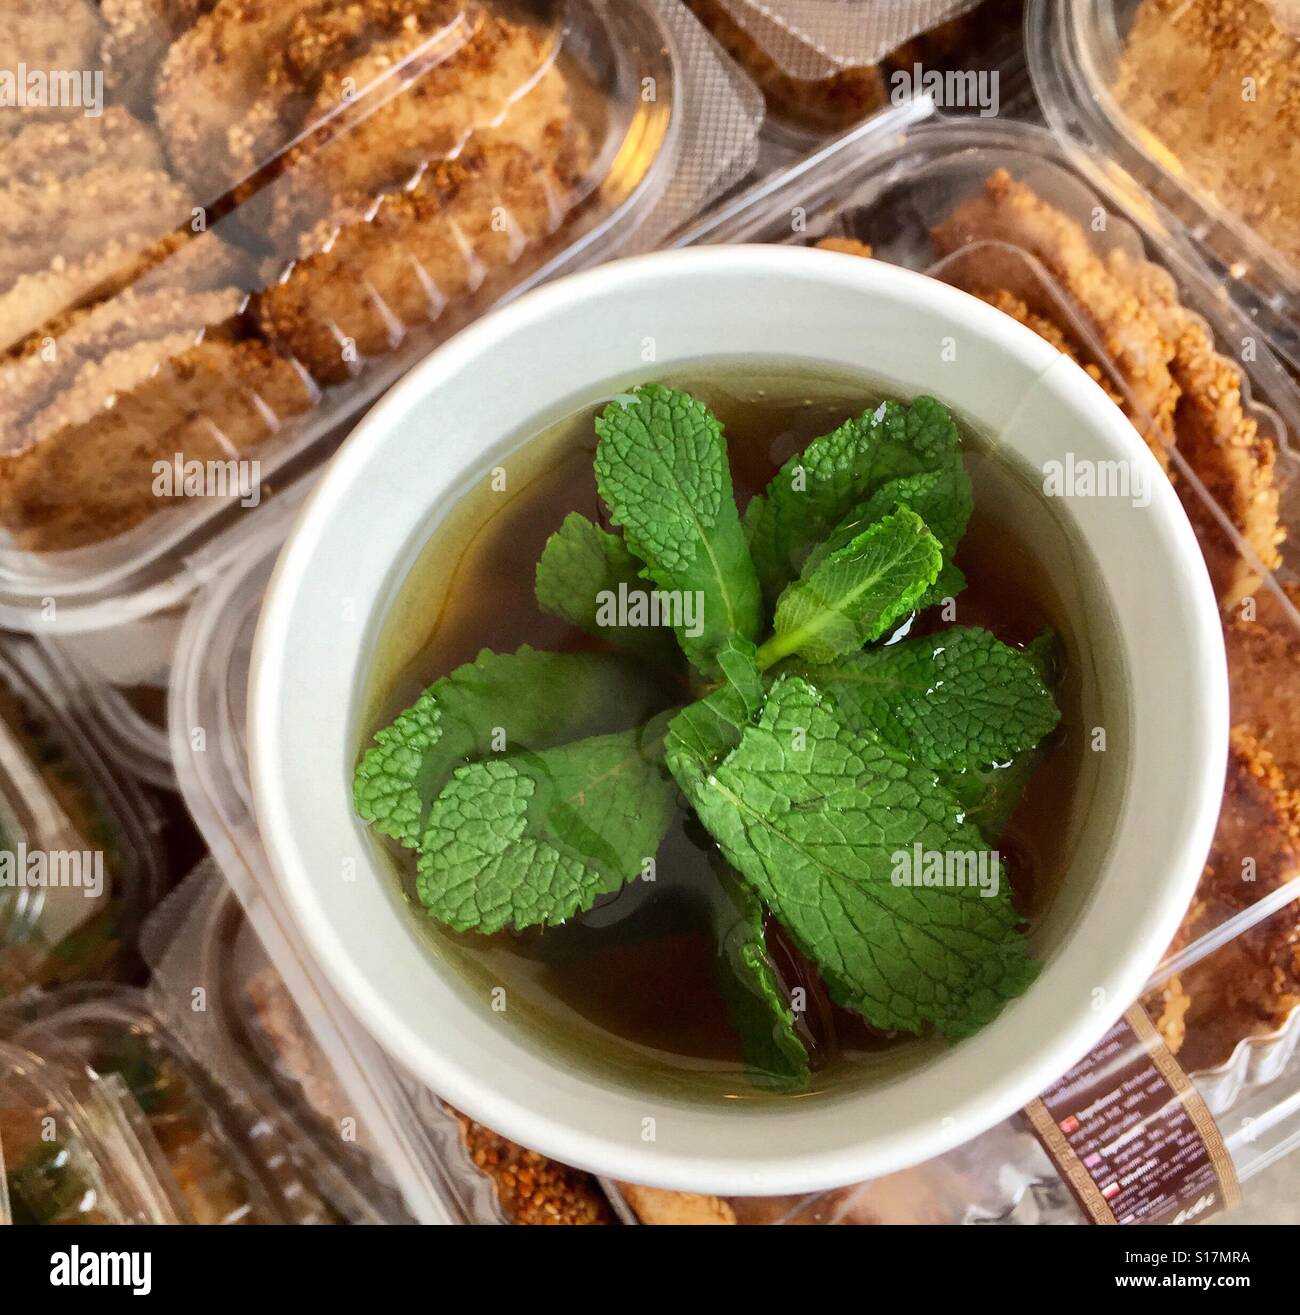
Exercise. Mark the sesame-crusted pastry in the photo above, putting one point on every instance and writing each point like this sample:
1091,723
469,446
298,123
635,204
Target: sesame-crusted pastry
655,1205
465,220
531,1189
1010,212
492,80
235,91
66,148
91,475
1220,442
138,36
1216,83
48,36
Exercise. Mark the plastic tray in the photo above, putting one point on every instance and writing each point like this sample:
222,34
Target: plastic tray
419,1141
60,798
1185,130
809,94
71,1151
226,1169
629,124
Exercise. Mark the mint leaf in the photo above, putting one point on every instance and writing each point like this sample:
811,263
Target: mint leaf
703,733
955,700
855,594
818,488
991,792
581,567
941,498
531,839
775,1056
661,468
498,703
815,816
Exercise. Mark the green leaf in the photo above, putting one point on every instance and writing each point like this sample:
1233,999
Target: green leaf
941,498
991,792
816,817
855,594
955,700
661,467
528,699
530,840
581,567
704,732
775,1056
835,474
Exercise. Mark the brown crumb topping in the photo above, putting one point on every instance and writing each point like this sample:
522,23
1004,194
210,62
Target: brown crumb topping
531,1188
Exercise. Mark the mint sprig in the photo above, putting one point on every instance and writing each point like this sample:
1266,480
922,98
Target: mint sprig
814,754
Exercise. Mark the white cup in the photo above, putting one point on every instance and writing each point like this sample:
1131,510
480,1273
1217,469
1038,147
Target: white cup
1157,657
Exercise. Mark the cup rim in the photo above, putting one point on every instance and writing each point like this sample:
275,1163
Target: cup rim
554,1132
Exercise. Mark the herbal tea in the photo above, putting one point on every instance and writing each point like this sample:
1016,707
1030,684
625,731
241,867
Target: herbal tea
724,732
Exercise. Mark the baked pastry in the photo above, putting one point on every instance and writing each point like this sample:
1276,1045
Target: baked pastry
1176,387
1217,85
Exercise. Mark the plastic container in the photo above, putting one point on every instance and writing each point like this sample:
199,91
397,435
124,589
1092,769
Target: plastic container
225,1164
798,32
70,1150
277,272
90,831
256,1046
889,185
1187,103
419,1143
882,55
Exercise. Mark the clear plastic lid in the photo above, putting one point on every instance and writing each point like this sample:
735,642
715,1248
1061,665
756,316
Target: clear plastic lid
69,1149
998,209
1194,103
317,193
80,842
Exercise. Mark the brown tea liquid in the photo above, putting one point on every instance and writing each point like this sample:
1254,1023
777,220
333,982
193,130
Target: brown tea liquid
632,984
